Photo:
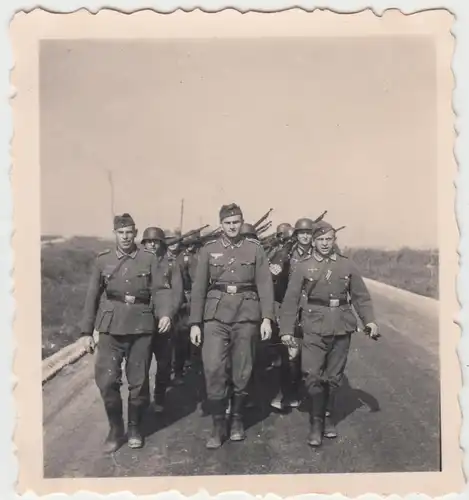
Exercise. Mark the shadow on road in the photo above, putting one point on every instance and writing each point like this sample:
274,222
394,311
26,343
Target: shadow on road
349,400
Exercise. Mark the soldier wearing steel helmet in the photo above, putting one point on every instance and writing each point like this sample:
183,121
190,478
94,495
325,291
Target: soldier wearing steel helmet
131,284
330,285
248,230
290,356
163,345
232,298
153,240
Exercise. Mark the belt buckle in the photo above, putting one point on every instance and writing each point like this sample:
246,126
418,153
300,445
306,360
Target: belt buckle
129,299
334,303
231,289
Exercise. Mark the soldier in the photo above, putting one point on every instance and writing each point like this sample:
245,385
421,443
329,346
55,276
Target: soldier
248,230
163,345
332,285
153,240
300,249
232,297
134,295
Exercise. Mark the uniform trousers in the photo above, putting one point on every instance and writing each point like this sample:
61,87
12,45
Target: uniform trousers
162,349
224,345
111,351
323,360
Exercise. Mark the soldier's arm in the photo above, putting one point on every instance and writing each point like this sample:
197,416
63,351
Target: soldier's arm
360,296
265,285
289,308
199,288
93,296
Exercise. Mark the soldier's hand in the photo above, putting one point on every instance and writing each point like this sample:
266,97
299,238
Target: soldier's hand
293,352
266,329
372,331
164,324
289,341
88,343
196,335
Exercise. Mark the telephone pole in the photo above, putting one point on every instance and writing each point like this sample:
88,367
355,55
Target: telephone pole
182,215
111,186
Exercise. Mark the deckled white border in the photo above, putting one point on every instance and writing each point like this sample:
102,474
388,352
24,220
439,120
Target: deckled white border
460,8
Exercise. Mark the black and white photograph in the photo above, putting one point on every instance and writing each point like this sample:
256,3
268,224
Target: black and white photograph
243,268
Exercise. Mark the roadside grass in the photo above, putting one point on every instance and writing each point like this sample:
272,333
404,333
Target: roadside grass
66,266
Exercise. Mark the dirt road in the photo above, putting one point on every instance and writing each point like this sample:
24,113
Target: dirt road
389,418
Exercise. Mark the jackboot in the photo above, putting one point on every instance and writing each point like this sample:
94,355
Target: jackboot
317,416
134,435
237,425
330,430
218,432
116,436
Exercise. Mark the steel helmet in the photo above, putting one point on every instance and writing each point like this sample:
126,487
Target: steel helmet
248,230
304,224
153,233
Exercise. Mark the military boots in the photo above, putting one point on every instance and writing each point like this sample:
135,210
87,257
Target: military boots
317,417
116,435
218,432
237,426
330,430
134,435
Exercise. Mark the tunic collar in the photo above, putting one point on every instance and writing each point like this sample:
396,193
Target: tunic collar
320,258
121,254
226,242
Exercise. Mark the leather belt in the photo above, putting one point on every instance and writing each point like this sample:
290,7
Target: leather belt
234,288
129,299
328,303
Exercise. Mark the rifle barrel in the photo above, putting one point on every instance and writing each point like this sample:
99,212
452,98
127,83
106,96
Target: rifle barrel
263,218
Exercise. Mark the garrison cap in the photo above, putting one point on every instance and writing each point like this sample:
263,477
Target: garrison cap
230,211
123,220
322,227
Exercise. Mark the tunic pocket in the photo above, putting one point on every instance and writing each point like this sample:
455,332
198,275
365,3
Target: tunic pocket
104,321
146,322
348,318
312,319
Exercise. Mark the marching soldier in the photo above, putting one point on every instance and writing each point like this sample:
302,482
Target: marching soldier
332,285
290,357
134,295
248,230
232,297
163,344
153,240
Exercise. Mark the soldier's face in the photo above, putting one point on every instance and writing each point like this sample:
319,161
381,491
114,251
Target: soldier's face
174,248
305,237
152,245
232,225
125,237
325,243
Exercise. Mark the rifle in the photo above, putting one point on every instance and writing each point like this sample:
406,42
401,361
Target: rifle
263,218
187,235
320,217
264,228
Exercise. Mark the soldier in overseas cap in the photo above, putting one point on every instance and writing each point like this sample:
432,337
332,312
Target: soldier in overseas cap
331,285
135,305
232,297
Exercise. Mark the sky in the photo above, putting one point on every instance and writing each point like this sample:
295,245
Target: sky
301,125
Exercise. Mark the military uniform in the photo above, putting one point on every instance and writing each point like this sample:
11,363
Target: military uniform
188,262
134,298
330,286
163,343
231,294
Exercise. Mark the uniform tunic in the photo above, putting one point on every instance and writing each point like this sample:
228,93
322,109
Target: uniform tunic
329,287
231,294
133,290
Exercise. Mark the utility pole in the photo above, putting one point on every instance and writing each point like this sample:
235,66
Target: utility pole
182,215
111,186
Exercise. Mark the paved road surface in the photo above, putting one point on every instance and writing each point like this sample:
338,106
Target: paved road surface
389,418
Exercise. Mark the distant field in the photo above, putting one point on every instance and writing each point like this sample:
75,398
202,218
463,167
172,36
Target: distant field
65,268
